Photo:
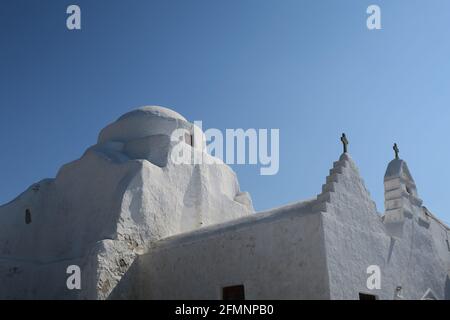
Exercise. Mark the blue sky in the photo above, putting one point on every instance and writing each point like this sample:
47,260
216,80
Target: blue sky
310,68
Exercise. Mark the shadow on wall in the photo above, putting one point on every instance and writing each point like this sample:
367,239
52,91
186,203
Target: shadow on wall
447,288
126,288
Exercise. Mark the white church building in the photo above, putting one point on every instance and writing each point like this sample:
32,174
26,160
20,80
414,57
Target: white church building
139,226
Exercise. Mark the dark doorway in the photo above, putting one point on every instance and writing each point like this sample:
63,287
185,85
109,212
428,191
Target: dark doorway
366,296
233,293
27,216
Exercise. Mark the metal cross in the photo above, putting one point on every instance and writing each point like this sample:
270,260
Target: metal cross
344,142
396,150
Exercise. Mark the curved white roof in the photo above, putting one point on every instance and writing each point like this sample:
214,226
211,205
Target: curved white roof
143,122
153,111
398,168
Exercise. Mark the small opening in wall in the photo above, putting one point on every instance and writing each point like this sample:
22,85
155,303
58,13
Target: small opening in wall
27,216
366,296
188,139
233,293
408,190
448,244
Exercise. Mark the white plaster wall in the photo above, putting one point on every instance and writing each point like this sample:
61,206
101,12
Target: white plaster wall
316,250
140,226
356,237
275,255
101,211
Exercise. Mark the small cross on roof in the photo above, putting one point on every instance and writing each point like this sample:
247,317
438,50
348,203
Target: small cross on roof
344,142
396,150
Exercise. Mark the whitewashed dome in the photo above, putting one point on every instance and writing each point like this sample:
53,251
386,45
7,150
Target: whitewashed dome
398,170
143,122
153,111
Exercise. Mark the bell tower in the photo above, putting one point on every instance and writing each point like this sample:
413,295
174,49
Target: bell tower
401,199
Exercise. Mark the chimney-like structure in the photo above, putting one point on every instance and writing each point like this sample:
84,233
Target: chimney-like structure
400,192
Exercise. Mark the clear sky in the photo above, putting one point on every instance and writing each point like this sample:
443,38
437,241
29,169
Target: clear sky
310,68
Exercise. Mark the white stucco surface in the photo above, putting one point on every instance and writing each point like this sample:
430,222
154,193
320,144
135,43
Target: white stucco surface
273,254
356,237
105,208
143,227
318,249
